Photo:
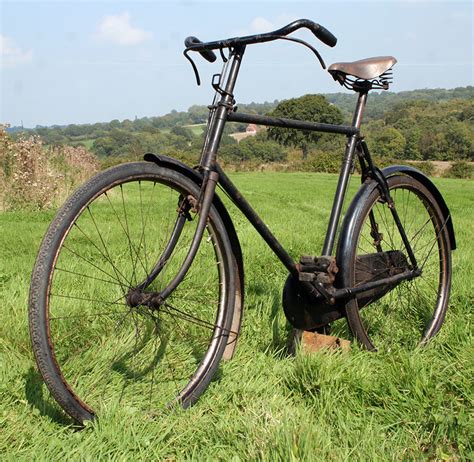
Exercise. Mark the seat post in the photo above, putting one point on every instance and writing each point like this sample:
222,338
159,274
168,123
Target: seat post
359,110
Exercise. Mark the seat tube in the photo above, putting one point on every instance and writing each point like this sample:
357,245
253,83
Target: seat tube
344,176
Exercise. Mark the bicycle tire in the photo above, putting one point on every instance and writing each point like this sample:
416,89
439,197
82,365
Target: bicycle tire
413,311
96,358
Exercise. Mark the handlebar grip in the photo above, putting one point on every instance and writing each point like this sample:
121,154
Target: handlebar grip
209,55
324,35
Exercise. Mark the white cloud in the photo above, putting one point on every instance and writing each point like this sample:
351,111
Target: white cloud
11,55
117,29
261,25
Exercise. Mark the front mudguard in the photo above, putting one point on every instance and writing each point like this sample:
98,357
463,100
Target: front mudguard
196,177
364,192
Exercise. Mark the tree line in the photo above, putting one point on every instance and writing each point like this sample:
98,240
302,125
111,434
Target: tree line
418,125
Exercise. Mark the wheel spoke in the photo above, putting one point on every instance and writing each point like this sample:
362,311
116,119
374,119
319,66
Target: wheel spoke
110,356
410,310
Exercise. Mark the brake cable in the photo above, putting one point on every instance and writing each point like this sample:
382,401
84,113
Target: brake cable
274,37
302,42
195,69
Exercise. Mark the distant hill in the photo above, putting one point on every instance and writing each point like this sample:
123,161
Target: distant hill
379,102
383,101
434,124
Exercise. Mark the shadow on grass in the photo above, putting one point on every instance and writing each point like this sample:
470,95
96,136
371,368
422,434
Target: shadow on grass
34,395
282,341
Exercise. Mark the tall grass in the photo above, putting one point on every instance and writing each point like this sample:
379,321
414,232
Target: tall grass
33,176
263,404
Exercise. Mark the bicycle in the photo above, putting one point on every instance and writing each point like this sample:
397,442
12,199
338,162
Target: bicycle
138,288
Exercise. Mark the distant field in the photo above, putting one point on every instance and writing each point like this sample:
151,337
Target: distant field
88,143
197,129
264,404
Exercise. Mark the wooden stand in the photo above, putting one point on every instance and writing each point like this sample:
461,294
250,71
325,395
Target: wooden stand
312,341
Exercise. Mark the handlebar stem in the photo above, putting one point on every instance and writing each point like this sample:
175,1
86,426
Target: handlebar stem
226,102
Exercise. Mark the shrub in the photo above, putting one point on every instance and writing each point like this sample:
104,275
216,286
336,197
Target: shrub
426,166
327,162
460,169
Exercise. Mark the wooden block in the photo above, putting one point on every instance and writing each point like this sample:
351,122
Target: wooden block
312,341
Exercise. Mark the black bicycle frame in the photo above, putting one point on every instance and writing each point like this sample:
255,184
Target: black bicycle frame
225,108
223,111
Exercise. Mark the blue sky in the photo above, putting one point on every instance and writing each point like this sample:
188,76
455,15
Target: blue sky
84,62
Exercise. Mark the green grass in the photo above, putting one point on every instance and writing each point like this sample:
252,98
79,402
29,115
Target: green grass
88,143
263,404
197,129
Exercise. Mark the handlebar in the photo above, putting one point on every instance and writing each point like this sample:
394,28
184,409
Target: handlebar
205,48
209,55
319,31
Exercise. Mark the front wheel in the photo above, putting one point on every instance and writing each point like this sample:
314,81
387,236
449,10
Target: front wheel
121,238
410,312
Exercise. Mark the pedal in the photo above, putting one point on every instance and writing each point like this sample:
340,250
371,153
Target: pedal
318,269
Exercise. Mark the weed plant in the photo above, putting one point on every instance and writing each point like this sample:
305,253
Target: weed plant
33,176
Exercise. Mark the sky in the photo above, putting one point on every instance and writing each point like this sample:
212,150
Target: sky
65,62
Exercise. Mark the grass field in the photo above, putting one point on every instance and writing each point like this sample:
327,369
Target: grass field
197,129
263,404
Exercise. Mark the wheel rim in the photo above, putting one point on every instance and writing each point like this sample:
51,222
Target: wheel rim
113,357
413,311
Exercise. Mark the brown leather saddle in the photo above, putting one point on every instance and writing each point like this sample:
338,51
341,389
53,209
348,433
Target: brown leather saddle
365,74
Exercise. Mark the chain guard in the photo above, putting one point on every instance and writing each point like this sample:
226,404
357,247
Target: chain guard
304,311
307,312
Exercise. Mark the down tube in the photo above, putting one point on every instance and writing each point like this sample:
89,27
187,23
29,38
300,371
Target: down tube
256,221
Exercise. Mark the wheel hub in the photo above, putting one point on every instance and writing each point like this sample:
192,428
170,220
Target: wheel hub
136,297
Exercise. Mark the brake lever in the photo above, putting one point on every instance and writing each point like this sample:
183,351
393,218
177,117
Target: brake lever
195,69
223,56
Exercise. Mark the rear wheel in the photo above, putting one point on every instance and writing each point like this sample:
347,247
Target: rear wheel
119,240
412,311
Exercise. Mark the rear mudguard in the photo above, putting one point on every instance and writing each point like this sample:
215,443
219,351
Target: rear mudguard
176,165
366,189
422,178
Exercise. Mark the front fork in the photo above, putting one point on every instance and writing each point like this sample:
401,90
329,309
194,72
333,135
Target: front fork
204,207
224,101
137,296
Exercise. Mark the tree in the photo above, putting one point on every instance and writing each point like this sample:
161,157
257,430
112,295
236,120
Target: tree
104,147
314,108
183,132
114,124
254,148
433,146
388,142
458,141
412,150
